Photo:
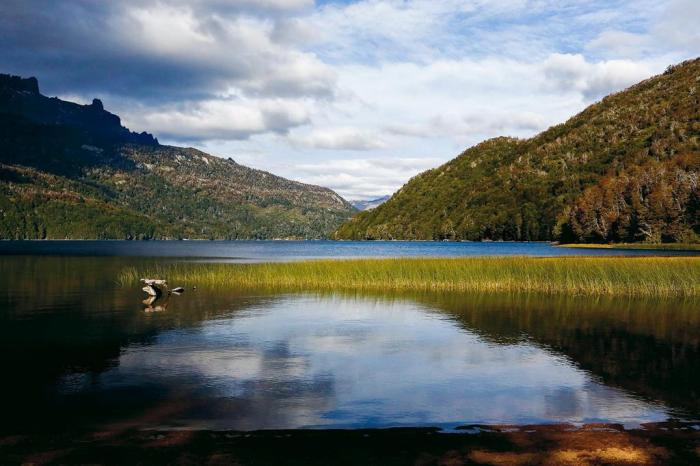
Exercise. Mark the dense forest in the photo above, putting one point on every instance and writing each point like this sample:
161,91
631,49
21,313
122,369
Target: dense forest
624,169
655,202
73,171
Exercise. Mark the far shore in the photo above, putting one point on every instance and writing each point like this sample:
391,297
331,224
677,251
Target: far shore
648,246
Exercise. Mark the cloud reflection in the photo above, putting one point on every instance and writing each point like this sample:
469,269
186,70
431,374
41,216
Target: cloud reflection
357,362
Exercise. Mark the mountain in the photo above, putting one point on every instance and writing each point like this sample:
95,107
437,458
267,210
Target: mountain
369,204
625,169
73,171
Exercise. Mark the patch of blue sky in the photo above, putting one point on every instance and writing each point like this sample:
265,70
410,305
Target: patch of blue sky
511,30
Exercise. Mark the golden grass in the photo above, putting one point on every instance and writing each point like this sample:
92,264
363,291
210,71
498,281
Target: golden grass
627,276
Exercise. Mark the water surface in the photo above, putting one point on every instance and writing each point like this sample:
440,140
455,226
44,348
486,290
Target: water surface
81,353
242,251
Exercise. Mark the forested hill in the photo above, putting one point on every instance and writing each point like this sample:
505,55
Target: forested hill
625,169
73,171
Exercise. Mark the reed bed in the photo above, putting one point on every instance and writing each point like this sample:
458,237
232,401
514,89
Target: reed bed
624,276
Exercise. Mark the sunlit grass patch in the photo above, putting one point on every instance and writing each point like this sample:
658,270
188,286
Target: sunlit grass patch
631,276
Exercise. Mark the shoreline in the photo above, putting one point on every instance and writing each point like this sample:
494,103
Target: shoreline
641,245
664,443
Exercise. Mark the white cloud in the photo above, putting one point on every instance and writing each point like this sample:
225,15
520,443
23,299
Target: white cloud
620,43
568,72
339,139
275,4
242,49
376,91
232,7
357,96
364,178
678,26
220,119
414,29
671,35
428,113
293,31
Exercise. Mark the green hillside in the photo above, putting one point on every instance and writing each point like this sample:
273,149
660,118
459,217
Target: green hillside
624,169
72,171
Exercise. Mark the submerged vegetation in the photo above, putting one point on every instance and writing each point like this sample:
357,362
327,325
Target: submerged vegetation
624,276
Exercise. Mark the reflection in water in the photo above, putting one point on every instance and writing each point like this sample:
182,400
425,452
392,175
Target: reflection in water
156,303
650,347
83,354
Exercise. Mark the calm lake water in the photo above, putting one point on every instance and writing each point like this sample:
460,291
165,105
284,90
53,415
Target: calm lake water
241,251
79,352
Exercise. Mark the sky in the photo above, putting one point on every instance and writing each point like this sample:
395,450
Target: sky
358,96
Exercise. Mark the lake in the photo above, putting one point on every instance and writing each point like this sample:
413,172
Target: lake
81,352
252,251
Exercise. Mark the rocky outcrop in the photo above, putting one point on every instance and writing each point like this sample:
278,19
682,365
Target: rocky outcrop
19,84
20,98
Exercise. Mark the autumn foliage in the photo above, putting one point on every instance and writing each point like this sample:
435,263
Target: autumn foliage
656,202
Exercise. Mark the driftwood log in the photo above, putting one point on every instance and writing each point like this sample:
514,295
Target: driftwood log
154,282
157,288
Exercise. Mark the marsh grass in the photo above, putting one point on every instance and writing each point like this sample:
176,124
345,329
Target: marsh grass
624,276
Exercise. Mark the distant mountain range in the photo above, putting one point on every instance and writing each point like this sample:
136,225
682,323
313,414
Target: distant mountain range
625,169
369,204
73,171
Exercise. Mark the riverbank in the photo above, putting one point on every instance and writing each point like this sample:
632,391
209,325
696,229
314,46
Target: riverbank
654,444
612,276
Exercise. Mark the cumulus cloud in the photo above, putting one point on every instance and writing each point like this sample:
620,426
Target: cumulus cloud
671,35
473,122
678,26
358,95
220,119
340,139
620,43
293,31
159,51
365,178
228,7
171,67
568,72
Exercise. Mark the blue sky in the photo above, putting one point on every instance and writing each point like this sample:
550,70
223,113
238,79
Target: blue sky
357,96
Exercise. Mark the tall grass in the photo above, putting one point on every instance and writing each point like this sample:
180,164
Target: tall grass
628,276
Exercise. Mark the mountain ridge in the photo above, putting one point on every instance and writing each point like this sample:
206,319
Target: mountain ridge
533,189
73,171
